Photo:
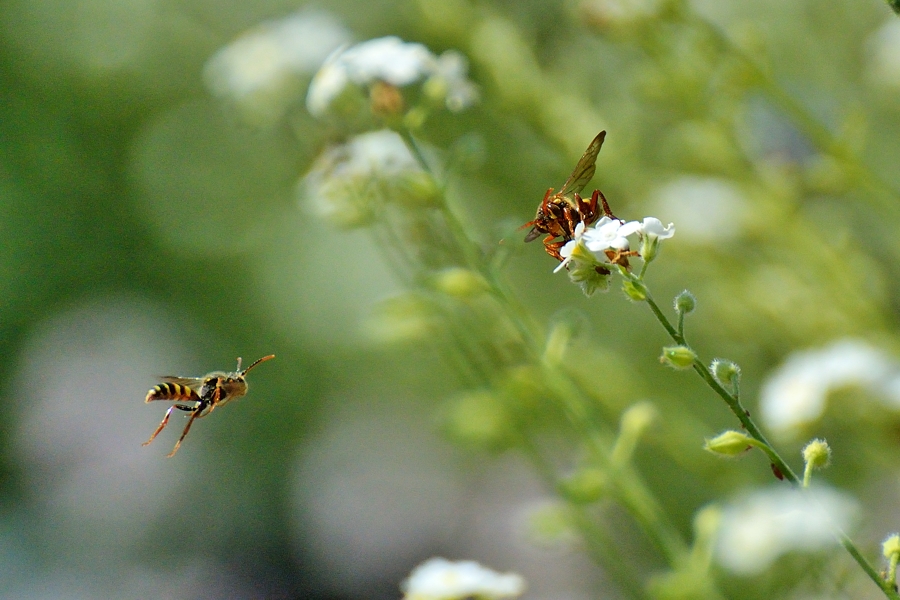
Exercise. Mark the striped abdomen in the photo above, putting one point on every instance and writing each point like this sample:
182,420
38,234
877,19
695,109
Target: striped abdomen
171,391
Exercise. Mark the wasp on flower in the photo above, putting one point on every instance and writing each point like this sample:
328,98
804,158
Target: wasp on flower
585,243
560,214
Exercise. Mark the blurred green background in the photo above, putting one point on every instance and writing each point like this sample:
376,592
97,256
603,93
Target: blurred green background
151,223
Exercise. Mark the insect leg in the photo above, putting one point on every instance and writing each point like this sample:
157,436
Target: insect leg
162,424
194,415
606,210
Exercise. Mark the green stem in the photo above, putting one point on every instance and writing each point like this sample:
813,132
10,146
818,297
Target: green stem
631,490
743,416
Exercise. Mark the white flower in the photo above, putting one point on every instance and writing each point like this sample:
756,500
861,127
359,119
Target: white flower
343,182
326,85
263,60
653,228
390,60
707,209
441,579
450,81
567,251
796,393
765,524
608,234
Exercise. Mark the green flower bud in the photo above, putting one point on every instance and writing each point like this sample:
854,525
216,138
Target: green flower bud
635,420
649,248
685,302
460,283
817,454
891,546
414,189
588,278
730,443
478,419
678,357
635,290
726,372
586,486
551,524
403,318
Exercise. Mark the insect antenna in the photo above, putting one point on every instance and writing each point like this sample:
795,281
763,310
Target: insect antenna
245,371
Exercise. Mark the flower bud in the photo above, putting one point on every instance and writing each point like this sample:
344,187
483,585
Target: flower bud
635,290
678,357
403,318
817,454
460,283
891,546
478,419
685,302
730,443
649,248
586,486
726,372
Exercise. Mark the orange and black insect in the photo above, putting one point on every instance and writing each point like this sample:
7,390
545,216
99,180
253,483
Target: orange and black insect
199,395
559,213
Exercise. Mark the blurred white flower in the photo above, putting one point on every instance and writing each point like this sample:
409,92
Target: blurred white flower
264,68
795,394
441,579
707,209
883,66
393,61
766,524
450,81
345,181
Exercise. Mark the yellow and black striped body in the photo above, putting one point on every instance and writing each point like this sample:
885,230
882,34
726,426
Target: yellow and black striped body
172,391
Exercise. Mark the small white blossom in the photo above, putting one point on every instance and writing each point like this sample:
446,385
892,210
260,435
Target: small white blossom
567,251
450,81
441,579
326,85
388,59
795,394
766,524
653,228
608,234
391,60
260,69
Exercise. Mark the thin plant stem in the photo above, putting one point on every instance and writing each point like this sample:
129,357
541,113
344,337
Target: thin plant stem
630,488
743,416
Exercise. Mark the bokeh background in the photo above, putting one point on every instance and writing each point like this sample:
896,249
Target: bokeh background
152,222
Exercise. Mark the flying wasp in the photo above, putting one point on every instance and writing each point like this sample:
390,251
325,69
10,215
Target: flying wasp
199,395
559,213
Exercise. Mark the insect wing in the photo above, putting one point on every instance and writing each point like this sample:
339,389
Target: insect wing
585,168
192,382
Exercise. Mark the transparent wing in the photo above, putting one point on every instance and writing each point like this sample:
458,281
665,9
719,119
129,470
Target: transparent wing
585,168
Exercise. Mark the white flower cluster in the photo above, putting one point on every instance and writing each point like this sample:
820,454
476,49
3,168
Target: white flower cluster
398,63
262,69
348,182
612,235
762,526
441,579
796,393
